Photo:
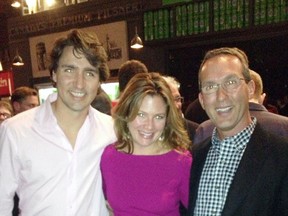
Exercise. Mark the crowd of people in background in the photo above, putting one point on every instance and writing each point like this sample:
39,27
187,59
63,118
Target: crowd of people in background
224,153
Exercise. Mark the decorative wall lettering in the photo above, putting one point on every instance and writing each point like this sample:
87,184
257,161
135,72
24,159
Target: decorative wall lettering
50,23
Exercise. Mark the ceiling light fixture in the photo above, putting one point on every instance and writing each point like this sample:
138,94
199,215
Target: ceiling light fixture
16,4
136,42
17,60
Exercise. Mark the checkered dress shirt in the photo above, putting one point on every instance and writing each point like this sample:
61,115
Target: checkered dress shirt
219,169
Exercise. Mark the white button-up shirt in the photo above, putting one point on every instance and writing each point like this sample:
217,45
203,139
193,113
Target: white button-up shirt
50,177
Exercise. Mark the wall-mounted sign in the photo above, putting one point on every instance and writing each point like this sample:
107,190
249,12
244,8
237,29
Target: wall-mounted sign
50,22
6,83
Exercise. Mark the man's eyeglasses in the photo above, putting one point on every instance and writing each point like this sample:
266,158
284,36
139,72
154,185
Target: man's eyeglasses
179,99
228,85
5,115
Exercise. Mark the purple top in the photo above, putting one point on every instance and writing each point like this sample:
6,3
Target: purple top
145,185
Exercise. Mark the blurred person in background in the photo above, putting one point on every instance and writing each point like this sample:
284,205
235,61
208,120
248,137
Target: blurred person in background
102,102
283,106
6,110
270,104
128,70
179,100
24,98
194,112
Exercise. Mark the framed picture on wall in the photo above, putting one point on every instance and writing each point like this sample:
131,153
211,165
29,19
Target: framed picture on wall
114,42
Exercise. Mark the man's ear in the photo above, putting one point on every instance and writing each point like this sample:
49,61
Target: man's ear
251,88
16,106
200,97
262,98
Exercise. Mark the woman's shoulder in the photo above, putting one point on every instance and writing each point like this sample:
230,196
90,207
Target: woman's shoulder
184,157
110,149
183,153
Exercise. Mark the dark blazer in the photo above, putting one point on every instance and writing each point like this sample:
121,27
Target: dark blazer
191,128
271,122
260,184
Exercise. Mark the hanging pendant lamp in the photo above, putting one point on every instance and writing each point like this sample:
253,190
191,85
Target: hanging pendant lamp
17,60
136,42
